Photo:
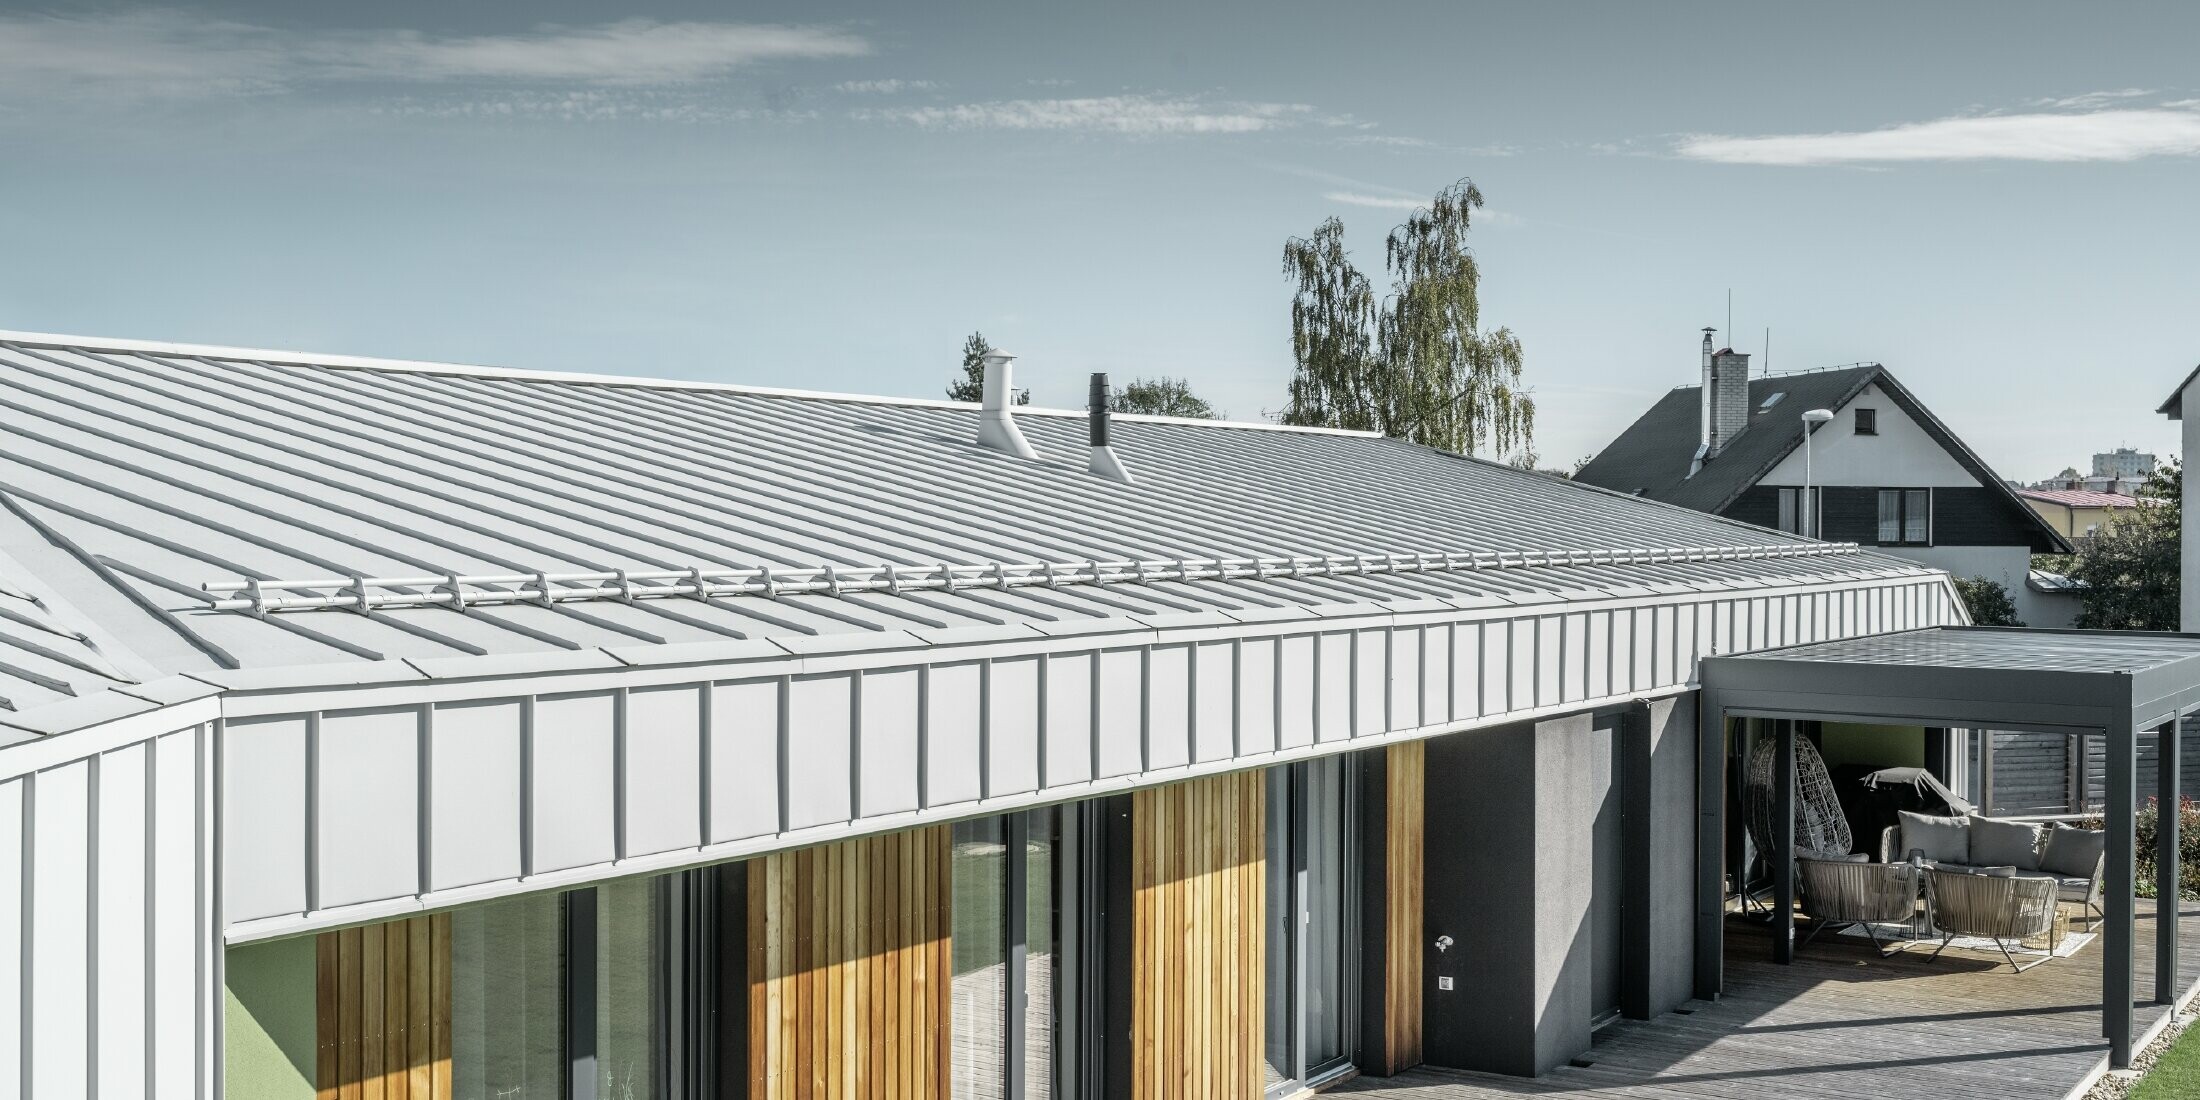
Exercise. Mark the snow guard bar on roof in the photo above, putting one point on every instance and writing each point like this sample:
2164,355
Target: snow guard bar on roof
364,594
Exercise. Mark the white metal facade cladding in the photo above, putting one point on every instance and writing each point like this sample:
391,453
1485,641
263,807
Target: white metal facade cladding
109,940
361,802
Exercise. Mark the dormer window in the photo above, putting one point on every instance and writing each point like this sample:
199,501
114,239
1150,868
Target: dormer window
1867,421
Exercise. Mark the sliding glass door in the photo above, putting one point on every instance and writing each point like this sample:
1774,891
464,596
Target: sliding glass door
1312,966
507,1000
1015,904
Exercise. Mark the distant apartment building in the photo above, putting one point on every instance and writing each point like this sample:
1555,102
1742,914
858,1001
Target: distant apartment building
2123,462
2121,471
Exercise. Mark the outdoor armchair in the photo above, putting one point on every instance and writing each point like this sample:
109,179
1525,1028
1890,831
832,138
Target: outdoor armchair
1996,907
1837,893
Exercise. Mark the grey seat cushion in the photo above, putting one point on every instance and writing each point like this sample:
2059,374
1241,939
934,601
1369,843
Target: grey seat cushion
2073,852
1998,843
1943,839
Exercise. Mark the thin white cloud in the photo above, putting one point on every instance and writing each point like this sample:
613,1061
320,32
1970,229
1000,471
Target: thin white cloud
581,106
1378,202
630,51
1393,141
1117,114
2092,100
2115,134
161,52
886,87
1389,202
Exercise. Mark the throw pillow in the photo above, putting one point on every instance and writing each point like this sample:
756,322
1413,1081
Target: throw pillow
1943,839
2073,852
1996,843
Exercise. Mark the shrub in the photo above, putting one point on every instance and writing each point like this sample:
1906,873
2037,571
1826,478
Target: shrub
2188,847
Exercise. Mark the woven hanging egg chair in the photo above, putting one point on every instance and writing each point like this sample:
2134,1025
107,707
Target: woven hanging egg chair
1820,826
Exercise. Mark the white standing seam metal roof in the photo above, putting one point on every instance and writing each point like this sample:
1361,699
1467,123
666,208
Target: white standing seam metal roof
145,487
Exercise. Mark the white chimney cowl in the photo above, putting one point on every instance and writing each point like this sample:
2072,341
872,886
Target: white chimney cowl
996,424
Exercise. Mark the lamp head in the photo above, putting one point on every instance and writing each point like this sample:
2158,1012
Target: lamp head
1817,416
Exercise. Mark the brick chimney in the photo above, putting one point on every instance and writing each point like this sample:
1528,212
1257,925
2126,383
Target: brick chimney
1726,399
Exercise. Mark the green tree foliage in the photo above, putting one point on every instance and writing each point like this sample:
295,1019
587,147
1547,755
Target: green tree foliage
2128,571
2146,822
1987,601
971,386
1415,364
1161,397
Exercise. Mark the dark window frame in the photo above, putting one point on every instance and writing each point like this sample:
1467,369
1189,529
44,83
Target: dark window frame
1788,500
1867,421
1903,499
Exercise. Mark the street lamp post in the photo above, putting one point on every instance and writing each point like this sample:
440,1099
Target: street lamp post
1806,505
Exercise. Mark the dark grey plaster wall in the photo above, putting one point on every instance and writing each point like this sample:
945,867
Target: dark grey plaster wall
1509,856
1671,784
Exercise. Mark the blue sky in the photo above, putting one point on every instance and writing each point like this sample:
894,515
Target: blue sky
1995,200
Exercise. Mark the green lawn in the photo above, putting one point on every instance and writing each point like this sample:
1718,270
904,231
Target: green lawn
2177,1074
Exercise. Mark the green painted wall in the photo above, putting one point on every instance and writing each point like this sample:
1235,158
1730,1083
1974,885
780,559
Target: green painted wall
1881,746
267,1025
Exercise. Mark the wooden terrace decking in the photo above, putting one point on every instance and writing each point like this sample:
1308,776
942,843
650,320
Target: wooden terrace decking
1843,1025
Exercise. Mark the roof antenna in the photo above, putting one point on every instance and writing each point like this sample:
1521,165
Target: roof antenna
1768,349
1730,317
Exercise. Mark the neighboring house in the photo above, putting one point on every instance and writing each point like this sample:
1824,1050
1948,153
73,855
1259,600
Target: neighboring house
2078,513
1886,472
516,734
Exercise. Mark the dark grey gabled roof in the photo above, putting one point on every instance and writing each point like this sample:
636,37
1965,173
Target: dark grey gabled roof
1651,458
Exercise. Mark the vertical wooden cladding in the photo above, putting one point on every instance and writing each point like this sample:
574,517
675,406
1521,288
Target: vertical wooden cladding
383,1011
1199,941
1405,824
850,969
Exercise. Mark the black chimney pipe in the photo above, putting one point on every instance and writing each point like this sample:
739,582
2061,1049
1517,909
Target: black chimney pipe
1096,408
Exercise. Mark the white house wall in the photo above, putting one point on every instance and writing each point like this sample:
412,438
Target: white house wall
1902,454
107,929
357,804
2010,565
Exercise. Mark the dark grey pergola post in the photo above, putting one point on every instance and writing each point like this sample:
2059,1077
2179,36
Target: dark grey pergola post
2167,765
2118,938
1710,960
1783,842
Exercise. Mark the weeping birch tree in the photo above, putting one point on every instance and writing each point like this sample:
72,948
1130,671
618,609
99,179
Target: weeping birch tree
1414,364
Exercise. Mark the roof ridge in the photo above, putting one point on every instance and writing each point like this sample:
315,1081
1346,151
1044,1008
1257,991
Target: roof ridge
216,353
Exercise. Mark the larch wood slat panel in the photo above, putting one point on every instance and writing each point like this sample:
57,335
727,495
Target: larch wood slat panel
396,969
439,1006
1199,895
849,969
371,1022
349,1035
382,1011
326,975
1404,855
